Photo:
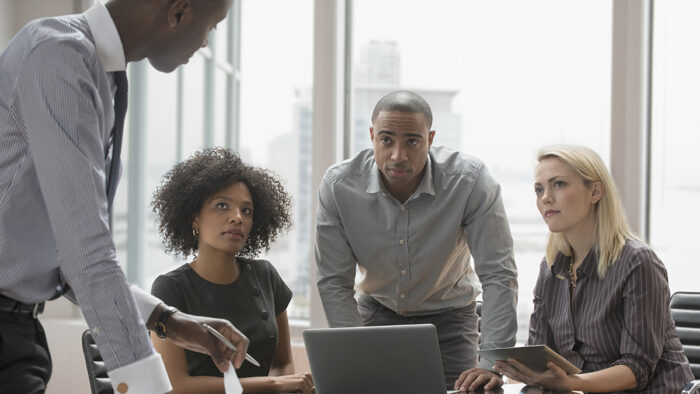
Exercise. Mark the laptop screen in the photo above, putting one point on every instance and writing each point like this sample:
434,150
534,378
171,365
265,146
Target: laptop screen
380,359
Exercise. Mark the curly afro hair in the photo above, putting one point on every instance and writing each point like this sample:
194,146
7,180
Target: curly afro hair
187,186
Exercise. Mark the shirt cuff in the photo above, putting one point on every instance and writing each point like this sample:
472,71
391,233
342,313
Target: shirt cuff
641,373
147,376
145,301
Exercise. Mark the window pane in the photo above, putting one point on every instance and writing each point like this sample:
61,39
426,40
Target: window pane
121,201
275,124
222,40
503,79
163,126
675,184
221,106
193,111
160,156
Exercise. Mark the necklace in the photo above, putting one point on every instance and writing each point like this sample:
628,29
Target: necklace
572,274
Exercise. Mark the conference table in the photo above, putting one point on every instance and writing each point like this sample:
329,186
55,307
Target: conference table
519,388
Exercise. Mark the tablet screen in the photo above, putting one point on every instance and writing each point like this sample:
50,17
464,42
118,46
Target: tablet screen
534,357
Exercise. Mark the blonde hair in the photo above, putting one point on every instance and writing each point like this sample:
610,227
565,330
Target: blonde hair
611,229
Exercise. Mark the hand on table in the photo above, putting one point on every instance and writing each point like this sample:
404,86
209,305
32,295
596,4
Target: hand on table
554,378
298,383
475,378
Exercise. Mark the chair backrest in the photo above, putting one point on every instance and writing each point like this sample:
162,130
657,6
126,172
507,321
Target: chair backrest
97,372
685,310
478,321
478,314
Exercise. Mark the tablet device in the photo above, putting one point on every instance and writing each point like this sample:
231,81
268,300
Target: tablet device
534,357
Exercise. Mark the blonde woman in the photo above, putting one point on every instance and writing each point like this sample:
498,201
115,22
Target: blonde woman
602,296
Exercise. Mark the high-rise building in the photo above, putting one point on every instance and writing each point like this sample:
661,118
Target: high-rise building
377,74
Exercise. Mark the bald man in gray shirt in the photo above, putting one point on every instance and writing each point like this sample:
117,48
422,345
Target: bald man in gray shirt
409,216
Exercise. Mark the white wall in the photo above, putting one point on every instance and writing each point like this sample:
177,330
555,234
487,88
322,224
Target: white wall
16,13
7,24
69,373
26,10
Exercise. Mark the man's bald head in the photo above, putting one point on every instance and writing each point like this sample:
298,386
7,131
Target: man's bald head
404,101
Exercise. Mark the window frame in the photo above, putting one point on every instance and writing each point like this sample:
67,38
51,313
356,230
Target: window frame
630,112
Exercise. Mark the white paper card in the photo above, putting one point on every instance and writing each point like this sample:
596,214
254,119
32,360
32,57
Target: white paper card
231,383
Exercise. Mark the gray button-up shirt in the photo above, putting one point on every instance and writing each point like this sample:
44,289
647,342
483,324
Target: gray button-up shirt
414,257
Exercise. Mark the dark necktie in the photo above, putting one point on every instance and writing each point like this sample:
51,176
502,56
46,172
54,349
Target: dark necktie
120,102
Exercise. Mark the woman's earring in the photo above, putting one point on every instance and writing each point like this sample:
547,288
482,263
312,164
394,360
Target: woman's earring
195,234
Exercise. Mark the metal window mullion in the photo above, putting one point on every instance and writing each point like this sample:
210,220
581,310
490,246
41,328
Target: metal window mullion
327,112
629,131
180,115
348,109
209,94
646,219
137,198
233,81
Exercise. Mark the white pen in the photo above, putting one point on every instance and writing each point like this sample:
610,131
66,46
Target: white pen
228,343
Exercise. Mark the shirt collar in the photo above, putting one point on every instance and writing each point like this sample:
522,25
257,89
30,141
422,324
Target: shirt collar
560,267
107,41
376,185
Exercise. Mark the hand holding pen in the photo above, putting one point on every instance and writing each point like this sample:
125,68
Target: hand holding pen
229,344
187,331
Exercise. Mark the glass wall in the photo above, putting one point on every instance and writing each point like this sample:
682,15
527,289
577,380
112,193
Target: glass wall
170,117
675,169
503,78
275,128
266,61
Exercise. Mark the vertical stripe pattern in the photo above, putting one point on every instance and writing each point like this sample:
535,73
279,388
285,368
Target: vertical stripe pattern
56,114
623,319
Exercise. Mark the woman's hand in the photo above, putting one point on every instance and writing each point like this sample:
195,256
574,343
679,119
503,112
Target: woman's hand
299,383
472,379
554,378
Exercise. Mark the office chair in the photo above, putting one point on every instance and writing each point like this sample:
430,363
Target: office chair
478,321
478,315
97,373
685,311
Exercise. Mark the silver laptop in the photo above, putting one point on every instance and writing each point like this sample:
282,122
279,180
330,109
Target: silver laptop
376,360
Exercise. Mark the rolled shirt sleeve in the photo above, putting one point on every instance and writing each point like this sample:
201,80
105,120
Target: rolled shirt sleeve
646,299
491,244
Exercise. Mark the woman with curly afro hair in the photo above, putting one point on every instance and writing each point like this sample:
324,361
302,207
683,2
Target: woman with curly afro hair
223,212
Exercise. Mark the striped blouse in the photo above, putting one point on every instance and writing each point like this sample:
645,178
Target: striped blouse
623,319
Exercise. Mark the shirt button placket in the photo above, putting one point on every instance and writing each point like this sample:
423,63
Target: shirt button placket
403,258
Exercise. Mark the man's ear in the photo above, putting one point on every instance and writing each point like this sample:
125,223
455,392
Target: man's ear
431,135
178,12
371,134
598,190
